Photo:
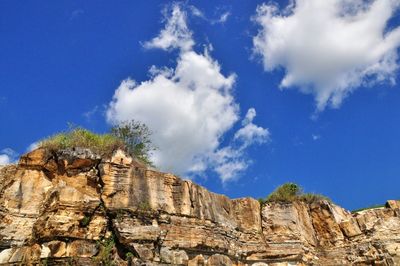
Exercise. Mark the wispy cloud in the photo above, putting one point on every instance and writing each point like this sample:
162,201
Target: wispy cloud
221,18
91,113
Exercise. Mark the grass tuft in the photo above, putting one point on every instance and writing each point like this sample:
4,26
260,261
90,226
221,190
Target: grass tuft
290,192
369,208
103,144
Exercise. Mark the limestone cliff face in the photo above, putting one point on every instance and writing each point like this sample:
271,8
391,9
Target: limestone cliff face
72,207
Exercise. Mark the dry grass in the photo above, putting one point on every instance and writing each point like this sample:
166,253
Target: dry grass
103,144
290,192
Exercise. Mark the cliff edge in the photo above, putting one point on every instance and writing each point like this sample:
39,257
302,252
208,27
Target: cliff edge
72,207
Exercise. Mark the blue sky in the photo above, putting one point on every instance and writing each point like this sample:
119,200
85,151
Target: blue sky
252,99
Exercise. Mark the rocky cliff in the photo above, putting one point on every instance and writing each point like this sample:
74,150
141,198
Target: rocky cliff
72,207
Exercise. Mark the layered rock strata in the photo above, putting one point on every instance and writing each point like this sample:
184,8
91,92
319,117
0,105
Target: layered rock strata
72,207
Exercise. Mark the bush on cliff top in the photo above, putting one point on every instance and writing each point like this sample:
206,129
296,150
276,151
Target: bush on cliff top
131,136
136,138
290,192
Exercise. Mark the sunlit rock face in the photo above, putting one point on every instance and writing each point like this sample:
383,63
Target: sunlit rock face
73,206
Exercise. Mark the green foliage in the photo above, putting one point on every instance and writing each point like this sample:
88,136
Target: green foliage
136,137
44,262
104,257
129,255
85,221
132,136
261,201
144,206
290,192
103,144
312,197
287,192
369,208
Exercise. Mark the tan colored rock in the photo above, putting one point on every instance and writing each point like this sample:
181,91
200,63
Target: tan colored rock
174,257
197,261
219,260
36,159
287,229
82,248
145,250
73,205
393,204
350,228
56,248
325,220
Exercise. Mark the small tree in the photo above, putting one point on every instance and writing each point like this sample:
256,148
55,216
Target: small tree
136,137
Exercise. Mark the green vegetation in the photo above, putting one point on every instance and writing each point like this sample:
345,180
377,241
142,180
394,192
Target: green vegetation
106,246
136,137
85,221
129,255
83,138
290,192
132,136
369,208
44,262
144,206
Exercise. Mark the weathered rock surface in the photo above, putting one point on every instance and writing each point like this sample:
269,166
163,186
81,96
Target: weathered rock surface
73,207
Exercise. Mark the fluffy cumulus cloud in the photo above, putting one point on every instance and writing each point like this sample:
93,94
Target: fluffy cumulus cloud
189,108
329,48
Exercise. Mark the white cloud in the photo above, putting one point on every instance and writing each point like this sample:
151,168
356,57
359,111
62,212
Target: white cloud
329,48
251,133
189,108
197,12
95,111
4,159
7,156
33,146
221,19
231,160
175,34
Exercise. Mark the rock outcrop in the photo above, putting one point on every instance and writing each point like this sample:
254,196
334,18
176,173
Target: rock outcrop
72,207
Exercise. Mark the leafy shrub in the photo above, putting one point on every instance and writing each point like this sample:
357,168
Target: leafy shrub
290,192
136,137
